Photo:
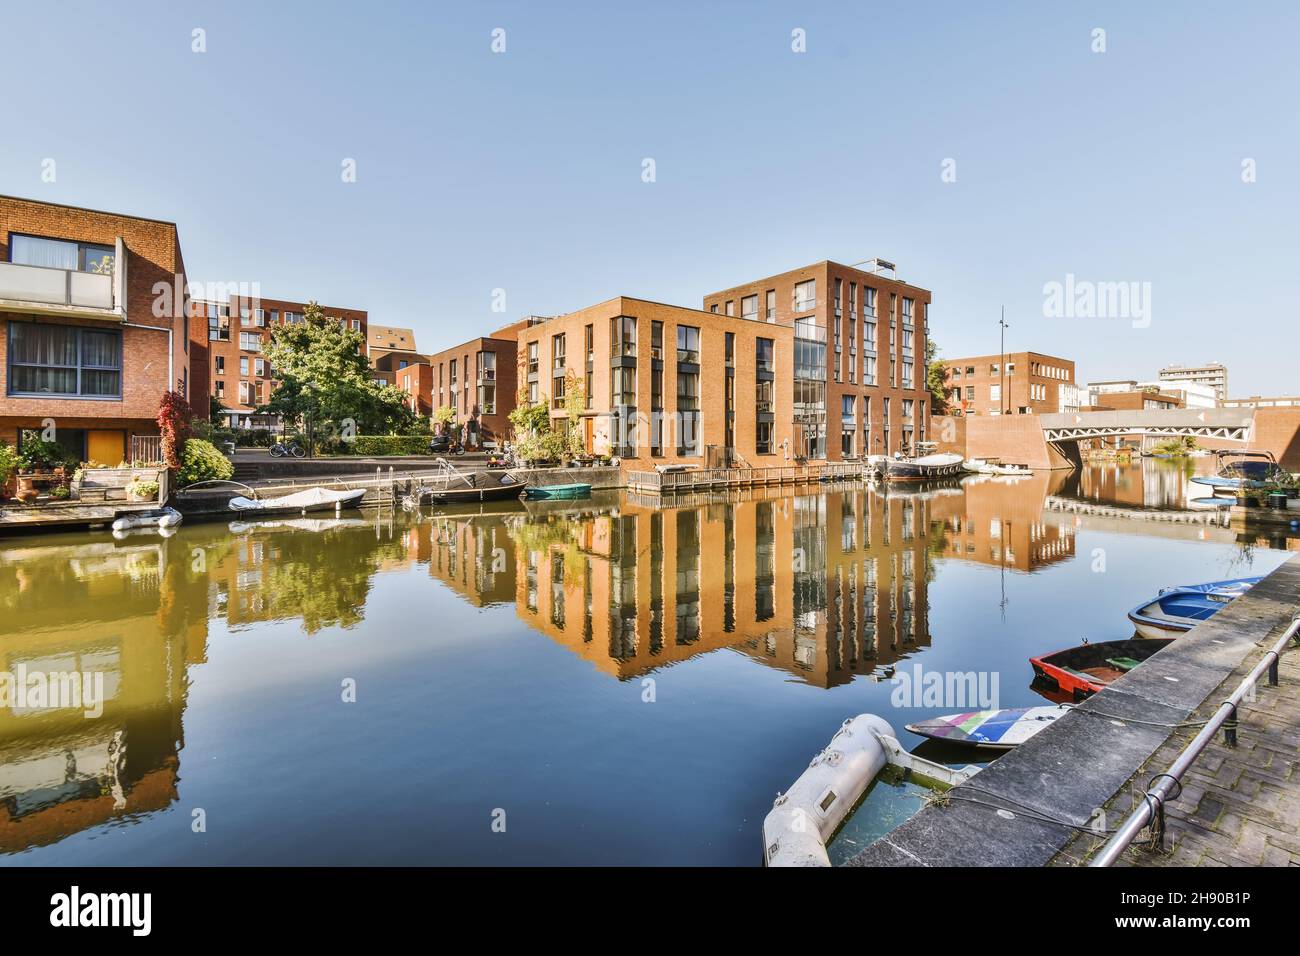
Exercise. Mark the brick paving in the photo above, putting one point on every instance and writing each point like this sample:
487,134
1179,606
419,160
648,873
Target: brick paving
1240,806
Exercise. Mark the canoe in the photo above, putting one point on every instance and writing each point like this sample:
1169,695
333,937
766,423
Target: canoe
156,518
559,491
990,729
313,499
1088,668
1176,610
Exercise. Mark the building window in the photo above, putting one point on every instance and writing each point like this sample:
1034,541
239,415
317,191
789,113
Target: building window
731,307
763,438
657,340
557,352
749,307
61,254
46,360
771,306
219,365
868,302
243,365
805,295
532,360
730,357
622,336
688,344
250,341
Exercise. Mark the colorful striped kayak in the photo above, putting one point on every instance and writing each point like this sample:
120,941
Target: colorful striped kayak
990,729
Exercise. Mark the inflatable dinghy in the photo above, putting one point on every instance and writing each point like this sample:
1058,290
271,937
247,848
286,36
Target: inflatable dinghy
158,518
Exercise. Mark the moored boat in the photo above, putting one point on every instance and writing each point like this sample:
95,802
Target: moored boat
156,518
1001,729
1088,668
559,491
312,499
1243,470
477,487
927,466
1177,610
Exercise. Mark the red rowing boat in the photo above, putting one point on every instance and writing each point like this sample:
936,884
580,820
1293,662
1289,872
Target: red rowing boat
1086,669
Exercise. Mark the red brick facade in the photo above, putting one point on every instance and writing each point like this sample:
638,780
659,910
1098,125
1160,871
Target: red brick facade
873,328
155,352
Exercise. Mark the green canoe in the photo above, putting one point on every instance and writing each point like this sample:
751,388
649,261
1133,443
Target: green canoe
558,491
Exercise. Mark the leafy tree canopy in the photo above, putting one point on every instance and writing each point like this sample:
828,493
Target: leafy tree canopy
324,376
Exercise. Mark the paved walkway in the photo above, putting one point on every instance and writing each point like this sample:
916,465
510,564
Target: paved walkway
1240,806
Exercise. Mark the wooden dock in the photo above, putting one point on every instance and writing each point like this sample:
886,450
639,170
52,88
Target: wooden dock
69,514
714,479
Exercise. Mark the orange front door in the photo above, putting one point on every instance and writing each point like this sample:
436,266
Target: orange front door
106,447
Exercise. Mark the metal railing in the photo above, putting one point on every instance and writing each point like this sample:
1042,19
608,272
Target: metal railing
1152,810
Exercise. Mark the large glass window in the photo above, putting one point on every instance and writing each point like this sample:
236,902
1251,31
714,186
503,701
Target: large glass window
763,361
622,336
688,344
61,254
64,360
805,296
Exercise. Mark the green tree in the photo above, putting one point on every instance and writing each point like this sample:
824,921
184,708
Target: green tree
934,378
444,415
325,381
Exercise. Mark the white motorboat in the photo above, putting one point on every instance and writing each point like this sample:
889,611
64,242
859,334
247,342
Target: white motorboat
300,502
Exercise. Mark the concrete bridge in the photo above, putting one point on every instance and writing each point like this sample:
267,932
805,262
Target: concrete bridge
1052,441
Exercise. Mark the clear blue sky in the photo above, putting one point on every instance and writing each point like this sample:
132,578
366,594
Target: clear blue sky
522,170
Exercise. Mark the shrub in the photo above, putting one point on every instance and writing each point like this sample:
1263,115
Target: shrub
9,462
201,461
174,423
63,492
38,453
378,445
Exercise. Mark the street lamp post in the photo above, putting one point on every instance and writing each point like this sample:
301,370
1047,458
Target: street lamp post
1002,365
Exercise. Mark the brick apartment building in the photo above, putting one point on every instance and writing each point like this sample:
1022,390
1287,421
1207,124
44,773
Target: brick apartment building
666,384
859,340
477,379
1017,383
227,341
391,349
1132,396
81,346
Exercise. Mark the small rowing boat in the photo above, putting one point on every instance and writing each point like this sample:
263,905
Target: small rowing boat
1088,668
559,491
990,729
1177,610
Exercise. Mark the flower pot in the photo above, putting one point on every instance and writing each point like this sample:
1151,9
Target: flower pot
1276,500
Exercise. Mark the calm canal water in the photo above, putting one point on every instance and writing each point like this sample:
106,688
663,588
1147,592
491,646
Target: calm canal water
505,661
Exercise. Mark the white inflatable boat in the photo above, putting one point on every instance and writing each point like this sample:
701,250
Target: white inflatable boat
805,817
157,518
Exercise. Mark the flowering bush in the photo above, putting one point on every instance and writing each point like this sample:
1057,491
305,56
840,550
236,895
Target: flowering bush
201,461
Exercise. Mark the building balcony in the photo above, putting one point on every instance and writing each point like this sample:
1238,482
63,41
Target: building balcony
66,292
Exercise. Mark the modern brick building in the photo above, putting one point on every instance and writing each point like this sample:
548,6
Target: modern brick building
666,384
228,339
478,379
391,349
859,371
1017,383
1132,396
83,347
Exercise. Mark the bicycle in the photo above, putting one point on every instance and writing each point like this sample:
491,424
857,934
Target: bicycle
290,448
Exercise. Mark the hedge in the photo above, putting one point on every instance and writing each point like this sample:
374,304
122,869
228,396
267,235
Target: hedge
371,446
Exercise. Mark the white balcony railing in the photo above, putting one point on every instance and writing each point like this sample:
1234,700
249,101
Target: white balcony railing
45,289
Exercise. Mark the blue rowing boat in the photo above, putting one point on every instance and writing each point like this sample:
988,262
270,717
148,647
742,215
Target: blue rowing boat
1176,610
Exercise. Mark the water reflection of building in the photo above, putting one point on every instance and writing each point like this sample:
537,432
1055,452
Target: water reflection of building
823,586
120,611
1001,522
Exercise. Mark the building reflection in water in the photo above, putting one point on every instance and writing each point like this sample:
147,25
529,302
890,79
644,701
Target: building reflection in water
824,586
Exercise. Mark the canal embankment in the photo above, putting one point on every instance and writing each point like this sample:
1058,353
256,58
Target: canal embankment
1029,806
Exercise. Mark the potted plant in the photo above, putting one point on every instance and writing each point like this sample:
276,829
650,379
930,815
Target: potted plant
61,492
141,488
